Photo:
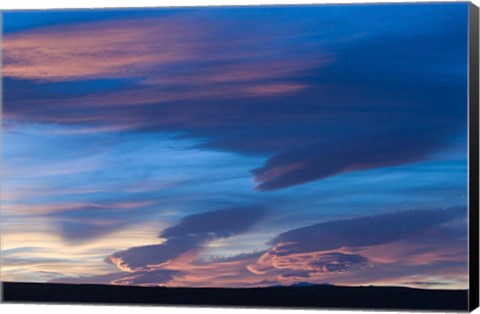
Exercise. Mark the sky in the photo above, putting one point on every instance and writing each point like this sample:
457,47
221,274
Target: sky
236,146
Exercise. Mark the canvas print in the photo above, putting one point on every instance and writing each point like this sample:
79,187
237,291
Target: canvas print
307,156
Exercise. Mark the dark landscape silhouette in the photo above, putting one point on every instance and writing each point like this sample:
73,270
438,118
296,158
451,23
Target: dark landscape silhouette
314,296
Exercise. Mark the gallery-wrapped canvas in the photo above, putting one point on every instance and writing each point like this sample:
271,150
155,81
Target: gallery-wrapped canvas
319,156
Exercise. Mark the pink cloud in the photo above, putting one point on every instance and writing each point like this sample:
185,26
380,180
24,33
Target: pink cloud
149,49
98,49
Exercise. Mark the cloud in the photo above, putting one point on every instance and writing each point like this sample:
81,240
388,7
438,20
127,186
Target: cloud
80,222
149,49
97,279
217,224
188,235
235,258
72,222
326,159
363,231
96,49
425,283
310,264
174,259
414,237
314,264
295,95
152,278
420,247
307,99
300,275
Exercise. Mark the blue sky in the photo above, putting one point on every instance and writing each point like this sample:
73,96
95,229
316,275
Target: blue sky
182,147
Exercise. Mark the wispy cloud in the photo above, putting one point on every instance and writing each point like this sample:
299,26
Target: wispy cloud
97,49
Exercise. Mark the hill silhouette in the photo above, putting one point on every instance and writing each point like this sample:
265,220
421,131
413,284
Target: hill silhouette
311,296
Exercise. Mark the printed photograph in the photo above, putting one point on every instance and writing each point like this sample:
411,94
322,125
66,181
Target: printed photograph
262,155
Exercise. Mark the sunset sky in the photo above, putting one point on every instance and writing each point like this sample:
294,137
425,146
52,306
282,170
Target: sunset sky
236,147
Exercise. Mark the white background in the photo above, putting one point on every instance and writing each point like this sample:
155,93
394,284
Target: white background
77,309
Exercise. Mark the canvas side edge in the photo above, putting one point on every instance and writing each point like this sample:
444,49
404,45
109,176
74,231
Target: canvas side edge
473,96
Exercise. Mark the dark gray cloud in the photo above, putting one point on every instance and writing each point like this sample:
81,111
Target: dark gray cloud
364,231
139,257
217,224
358,152
189,234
